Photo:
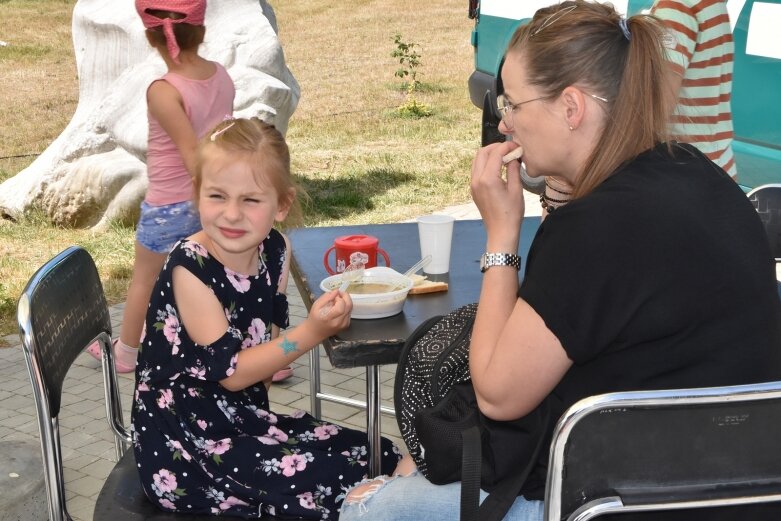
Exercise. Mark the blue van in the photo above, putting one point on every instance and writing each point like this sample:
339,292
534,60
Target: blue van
756,84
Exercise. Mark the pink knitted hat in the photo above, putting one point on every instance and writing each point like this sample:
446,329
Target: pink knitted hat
194,12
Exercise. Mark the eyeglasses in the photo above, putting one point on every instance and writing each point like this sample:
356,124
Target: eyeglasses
507,109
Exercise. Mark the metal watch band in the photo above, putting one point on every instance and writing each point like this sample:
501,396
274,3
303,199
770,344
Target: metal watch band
499,259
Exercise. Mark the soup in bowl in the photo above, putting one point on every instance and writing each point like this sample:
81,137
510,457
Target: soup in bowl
380,292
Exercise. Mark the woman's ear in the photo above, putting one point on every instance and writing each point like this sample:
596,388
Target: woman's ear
574,102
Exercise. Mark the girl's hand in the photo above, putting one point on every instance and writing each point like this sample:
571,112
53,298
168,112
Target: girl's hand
499,199
330,313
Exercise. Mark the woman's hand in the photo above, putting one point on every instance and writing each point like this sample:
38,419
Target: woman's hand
499,199
330,313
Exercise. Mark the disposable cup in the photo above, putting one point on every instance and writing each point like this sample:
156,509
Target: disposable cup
436,234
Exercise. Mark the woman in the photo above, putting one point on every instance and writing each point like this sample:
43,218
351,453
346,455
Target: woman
656,274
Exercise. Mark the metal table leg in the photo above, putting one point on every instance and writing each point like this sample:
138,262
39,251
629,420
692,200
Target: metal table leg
373,417
314,381
374,409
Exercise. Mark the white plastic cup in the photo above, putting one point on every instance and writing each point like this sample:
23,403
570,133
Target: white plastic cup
436,234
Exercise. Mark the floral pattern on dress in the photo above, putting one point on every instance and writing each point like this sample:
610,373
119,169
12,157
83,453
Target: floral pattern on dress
203,449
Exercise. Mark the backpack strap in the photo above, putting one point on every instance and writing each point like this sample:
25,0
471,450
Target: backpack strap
497,503
471,456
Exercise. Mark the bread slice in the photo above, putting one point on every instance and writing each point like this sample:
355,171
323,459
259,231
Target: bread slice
422,285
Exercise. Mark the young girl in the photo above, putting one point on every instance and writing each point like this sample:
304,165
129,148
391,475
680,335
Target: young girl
184,104
204,438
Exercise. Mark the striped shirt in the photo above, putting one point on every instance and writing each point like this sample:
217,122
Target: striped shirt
700,48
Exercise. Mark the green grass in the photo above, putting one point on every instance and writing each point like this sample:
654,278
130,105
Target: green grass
24,53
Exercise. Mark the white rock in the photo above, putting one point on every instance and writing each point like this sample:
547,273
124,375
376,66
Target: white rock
95,171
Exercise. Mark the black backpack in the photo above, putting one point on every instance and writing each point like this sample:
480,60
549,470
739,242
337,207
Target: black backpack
447,436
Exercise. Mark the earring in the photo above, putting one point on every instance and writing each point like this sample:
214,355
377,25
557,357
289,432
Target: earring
570,127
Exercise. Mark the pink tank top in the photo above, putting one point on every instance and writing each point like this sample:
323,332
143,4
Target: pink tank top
206,103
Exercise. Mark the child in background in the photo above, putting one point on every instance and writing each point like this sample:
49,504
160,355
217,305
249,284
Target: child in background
183,105
204,438
700,51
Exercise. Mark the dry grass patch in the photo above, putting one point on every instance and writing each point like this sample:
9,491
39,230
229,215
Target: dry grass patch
38,80
358,161
27,244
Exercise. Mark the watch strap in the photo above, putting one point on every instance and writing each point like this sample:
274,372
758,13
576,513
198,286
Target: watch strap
499,259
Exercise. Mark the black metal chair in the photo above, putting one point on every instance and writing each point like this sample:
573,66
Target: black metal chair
767,200
61,312
692,454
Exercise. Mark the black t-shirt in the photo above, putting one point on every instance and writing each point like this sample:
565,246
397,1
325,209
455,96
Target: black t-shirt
660,278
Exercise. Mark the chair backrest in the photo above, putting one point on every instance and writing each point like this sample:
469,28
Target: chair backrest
652,451
61,311
767,201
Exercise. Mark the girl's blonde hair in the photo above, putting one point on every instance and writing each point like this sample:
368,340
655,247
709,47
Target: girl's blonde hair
589,45
264,149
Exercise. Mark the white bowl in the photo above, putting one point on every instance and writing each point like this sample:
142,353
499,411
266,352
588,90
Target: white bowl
375,305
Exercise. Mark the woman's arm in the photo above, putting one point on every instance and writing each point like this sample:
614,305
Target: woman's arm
514,359
166,105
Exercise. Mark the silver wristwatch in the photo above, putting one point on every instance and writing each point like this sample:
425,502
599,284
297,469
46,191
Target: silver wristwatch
499,259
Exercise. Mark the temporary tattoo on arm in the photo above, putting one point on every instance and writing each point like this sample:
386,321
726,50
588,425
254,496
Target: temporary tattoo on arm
288,346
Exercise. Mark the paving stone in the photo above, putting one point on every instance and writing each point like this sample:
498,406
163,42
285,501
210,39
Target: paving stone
29,428
18,420
283,396
77,461
81,508
84,485
356,385
22,486
332,378
10,340
15,386
99,469
71,476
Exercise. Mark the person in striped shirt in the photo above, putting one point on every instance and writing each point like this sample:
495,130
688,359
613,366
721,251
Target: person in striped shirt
700,52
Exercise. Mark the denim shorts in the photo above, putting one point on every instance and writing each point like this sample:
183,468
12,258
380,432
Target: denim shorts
160,227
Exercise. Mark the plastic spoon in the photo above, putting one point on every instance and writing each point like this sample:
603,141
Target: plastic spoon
415,267
353,271
420,264
350,274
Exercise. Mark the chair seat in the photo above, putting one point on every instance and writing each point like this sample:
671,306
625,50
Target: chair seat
122,498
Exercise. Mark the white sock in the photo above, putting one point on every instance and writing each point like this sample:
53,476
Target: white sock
124,353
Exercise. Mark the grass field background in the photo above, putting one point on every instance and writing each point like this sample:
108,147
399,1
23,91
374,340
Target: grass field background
357,159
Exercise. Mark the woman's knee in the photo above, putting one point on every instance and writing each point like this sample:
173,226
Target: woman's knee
364,490
399,498
360,499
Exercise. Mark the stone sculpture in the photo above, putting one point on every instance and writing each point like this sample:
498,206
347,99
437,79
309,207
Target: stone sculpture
95,171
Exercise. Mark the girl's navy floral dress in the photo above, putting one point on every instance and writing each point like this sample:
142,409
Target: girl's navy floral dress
203,449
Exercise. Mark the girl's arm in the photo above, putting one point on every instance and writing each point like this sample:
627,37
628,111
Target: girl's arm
514,359
203,317
166,105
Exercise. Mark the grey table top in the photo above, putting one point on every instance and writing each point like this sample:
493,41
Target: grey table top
379,341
